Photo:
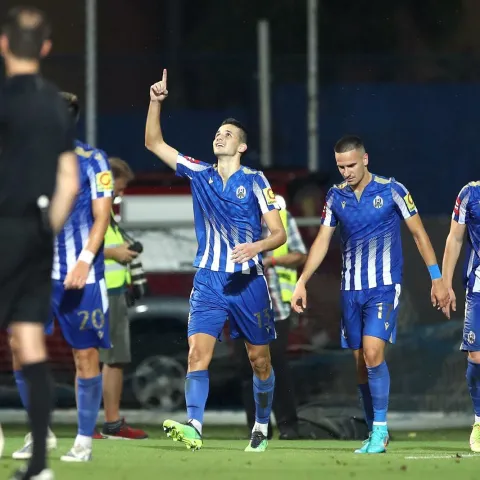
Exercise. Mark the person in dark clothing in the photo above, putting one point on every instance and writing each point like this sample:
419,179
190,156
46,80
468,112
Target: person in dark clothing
38,185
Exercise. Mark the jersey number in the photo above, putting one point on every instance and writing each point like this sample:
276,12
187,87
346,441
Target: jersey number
97,317
263,319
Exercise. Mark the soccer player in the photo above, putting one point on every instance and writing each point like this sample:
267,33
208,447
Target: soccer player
368,209
38,185
466,216
280,268
79,293
229,201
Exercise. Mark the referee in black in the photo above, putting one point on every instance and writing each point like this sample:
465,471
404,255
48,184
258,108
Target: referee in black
38,185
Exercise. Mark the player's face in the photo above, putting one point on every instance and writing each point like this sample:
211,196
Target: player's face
227,142
120,184
352,166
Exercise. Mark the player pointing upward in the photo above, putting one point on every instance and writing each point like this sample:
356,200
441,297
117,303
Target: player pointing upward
368,209
229,201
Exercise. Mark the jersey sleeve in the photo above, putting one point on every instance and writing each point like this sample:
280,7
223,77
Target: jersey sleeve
461,204
188,167
264,194
100,176
404,203
328,217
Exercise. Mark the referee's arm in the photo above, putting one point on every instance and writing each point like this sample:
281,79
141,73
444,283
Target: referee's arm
66,190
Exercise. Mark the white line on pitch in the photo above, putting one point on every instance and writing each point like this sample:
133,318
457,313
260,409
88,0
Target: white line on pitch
426,457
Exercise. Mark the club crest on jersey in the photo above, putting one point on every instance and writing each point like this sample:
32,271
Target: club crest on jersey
471,337
241,192
378,202
343,204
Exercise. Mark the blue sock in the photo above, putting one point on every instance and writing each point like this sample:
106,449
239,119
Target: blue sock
196,393
366,402
473,382
263,395
379,383
22,388
88,404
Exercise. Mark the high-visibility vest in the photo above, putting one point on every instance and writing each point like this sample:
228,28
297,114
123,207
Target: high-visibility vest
286,276
116,274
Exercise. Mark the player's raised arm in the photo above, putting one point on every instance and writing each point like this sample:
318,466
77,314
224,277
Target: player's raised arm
317,254
453,246
407,209
153,132
66,190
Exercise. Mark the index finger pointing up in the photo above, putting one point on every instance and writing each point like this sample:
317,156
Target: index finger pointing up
164,76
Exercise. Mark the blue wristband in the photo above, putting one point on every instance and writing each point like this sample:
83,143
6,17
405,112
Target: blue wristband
434,272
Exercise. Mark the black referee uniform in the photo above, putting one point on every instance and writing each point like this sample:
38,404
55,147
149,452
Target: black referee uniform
35,128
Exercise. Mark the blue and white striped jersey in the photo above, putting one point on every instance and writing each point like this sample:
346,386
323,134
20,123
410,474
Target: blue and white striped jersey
467,212
226,216
369,231
95,182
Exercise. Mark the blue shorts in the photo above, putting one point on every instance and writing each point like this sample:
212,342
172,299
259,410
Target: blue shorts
372,312
242,298
82,315
471,325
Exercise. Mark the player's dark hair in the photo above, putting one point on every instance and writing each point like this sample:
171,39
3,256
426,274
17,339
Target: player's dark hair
239,125
348,143
72,104
26,28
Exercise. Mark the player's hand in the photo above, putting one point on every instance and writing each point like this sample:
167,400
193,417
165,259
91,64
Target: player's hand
299,297
158,91
123,255
244,252
452,304
77,278
439,294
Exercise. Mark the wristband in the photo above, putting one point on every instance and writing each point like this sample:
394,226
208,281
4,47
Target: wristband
274,262
86,256
435,273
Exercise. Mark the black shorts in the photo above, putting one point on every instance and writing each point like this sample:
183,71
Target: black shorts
26,256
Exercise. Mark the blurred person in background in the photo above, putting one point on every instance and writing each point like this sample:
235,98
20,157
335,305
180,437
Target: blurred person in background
281,273
38,185
119,255
79,299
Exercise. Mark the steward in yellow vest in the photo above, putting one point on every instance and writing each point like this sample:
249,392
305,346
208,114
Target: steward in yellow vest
281,265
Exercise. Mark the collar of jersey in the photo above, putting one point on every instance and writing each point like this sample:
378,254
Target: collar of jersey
350,189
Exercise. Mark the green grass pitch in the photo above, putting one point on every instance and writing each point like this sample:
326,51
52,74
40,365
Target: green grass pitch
435,454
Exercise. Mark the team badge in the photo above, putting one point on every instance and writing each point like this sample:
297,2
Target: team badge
471,337
343,204
104,181
378,202
241,192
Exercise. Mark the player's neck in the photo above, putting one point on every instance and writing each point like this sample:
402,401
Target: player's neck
226,167
360,187
15,66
